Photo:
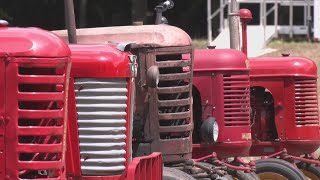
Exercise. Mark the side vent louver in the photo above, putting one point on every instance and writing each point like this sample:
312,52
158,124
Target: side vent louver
236,100
306,102
102,110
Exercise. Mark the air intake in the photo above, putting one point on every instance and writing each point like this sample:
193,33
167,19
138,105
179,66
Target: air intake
306,102
102,111
236,100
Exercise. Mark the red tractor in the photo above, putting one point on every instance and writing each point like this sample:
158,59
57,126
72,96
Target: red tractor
101,105
285,121
162,114
221,104
37,140
162,117
35,67
284,114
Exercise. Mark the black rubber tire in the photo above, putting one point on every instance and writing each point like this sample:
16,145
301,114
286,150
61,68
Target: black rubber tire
240,175
175,174
254,175
280,167
310,168
225,177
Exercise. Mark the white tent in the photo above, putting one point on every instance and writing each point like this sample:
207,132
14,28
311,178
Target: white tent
317,19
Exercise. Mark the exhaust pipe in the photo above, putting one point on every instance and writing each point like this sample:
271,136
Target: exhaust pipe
234,21
70,21
245,17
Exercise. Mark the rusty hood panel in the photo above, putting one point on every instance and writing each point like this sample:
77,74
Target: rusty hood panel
159,35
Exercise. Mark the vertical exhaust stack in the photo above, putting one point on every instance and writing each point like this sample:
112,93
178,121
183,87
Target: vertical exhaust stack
70,21
234,22
245,17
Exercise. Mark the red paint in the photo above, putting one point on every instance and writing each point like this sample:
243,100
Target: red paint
73,151
146,167
220,76
287,79
93,61
104,61
26,54
2,119
218,59
99,61
31,42
141,168
245,17
14,113
128,118
282,67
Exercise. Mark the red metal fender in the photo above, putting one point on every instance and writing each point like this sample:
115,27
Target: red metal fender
146,168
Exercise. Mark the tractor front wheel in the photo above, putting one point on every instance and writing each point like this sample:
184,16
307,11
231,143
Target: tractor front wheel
309,170
240,175
277,169
175,174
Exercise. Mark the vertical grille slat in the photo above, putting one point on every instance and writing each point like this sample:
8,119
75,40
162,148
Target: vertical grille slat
236,100
306,102
102,110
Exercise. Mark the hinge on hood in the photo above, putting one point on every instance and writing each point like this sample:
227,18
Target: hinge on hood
133,65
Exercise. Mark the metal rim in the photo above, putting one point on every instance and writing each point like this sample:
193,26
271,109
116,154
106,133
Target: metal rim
271,176
310,175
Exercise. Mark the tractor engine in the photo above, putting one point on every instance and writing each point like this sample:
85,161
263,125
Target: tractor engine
163,111
284,105
35,67
101,97
221,103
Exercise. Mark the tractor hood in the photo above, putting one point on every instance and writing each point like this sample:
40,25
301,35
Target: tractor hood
219,59
157,35
31,42
282,66
99,61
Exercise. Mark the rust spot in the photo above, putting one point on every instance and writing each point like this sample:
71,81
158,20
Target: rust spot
80,87
85,158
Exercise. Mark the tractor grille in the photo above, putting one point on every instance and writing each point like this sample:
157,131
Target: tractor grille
40,120
236,100
174,96
306,102
101,107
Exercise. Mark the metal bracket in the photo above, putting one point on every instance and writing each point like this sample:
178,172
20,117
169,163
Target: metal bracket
133,65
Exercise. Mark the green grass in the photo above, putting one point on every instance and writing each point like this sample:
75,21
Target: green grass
200,43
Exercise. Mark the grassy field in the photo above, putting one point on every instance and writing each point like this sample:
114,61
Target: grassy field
296,48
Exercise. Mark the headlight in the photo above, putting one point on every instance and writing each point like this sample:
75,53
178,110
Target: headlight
215,131
209,130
